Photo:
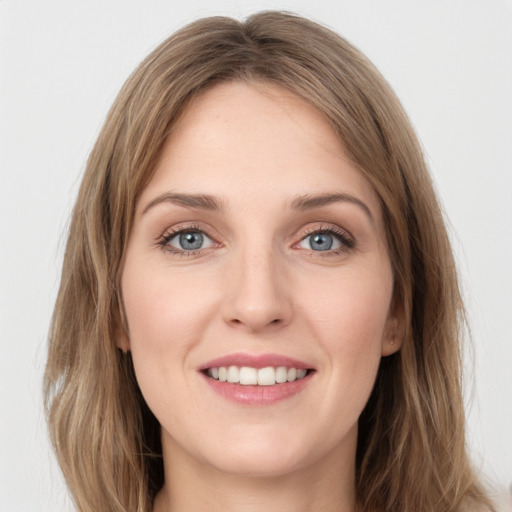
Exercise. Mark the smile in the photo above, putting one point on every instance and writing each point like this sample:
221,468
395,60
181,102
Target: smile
257,380
248,376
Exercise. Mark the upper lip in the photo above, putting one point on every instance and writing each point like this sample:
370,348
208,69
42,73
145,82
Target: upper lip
255,361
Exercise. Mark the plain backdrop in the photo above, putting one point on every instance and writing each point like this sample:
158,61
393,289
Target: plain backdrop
61,65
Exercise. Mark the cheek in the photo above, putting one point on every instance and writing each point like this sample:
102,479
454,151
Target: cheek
349,320
164,318
354,308
164,308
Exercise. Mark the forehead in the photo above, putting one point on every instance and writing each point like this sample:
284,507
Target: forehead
253,114
253,142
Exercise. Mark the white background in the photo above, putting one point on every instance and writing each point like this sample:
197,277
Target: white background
61,65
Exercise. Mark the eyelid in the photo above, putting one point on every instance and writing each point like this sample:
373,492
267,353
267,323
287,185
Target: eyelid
177,235
345,238
171,232
336,245
342,235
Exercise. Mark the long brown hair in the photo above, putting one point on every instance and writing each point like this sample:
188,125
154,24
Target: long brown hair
411,453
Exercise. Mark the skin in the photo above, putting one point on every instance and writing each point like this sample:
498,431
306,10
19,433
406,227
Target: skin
257,286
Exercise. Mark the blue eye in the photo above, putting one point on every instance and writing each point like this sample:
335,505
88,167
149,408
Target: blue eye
326,241
188,241
321,241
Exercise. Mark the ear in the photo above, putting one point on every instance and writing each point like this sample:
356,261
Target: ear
394,330
122,338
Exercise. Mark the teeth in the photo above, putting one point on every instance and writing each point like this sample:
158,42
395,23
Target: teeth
266,376
233,374
292,374
247,376
281,375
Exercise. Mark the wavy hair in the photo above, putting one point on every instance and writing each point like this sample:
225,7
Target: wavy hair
411,453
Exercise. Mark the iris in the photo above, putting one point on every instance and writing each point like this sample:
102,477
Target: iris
191,240
321,241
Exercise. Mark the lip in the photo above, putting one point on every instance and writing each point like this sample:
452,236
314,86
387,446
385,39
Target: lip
256,361
257,395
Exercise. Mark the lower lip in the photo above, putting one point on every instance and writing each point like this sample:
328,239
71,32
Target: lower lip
258,395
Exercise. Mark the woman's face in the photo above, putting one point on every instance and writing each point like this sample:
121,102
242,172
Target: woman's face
258,255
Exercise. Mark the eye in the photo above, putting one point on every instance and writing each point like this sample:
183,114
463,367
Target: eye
186,241
320,242
326,240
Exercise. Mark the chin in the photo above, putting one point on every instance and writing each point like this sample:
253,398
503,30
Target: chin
270,454
262,464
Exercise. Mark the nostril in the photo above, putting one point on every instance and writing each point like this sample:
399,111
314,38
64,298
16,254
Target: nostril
253,324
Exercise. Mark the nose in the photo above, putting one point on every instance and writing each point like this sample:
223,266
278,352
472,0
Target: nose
258,296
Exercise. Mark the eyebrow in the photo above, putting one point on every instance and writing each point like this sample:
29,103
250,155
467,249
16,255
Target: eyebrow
202,201
312,201
301,203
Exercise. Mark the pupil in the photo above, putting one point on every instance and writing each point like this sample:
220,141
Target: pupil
191,241
321,242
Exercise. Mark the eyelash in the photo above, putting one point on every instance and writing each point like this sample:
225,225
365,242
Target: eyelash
346,240
164,240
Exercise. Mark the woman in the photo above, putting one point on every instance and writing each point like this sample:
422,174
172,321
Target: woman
259,307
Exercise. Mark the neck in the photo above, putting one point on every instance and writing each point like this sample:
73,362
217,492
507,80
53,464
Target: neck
327,485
